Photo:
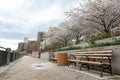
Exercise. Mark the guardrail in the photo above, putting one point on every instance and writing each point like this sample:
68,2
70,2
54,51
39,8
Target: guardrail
7,56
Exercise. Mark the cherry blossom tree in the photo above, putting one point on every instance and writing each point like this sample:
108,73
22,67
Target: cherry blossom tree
98,15
104,15
77,23
51,34
92,16
63,35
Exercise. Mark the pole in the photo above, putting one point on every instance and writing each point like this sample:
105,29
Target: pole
8,55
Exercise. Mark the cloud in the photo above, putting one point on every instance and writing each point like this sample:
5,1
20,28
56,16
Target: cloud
9,43
9,20
19,18
28,13
11,5
50,14
25,20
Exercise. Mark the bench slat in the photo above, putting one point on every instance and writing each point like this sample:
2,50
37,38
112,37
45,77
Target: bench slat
54,58
92,57
97,63
89,62
73,60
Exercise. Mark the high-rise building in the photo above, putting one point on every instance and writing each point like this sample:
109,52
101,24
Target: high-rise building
39,37
26,40
31,43
22,46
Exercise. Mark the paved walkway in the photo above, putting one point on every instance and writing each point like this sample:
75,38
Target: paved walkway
24,69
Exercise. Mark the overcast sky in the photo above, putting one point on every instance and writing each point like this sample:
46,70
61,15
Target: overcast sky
24,18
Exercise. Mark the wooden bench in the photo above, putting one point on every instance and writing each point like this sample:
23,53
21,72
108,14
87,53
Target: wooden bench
52,57
100,58
54,60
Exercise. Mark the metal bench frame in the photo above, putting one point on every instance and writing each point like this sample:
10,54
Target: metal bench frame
102,65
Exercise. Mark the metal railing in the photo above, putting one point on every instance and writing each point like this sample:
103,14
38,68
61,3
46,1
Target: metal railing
7,56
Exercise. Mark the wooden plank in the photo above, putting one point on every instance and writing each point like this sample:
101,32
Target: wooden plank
93,57
94,52
54,58
89,62
73,60
97,63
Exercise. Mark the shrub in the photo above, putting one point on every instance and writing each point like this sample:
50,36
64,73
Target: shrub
115,42
77,41
103,36
92,41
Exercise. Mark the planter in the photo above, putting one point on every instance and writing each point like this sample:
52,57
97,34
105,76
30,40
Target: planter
62,59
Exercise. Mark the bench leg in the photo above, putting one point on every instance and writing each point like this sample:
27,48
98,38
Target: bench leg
88,67
102,69
75,64
110,68
106,67
82,64
69,63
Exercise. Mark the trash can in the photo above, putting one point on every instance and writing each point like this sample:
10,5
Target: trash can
62,59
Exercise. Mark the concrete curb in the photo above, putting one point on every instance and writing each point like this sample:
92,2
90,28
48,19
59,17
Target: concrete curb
4,68
94,74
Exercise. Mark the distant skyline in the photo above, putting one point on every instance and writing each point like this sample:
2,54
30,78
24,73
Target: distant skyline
24,18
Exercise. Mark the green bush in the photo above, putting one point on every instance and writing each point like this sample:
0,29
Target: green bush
117,33
69,48
77,41
92,41
115,42
103,36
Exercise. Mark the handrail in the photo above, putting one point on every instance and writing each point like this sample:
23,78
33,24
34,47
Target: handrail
2,47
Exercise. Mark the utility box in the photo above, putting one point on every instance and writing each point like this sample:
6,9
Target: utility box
62,59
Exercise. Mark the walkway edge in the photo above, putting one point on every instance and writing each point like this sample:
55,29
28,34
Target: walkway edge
94,75
4,68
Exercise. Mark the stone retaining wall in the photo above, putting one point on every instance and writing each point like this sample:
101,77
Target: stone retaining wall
115,57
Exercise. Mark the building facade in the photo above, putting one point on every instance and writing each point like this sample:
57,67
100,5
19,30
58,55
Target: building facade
22,46
26,40
39,37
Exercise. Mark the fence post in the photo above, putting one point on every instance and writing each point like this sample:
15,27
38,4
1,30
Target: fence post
13,56
8,55
0,58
